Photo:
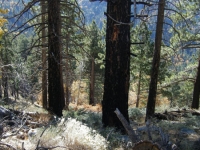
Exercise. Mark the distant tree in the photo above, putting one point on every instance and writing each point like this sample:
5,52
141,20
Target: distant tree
156,61
2,21
196,91
93,47
183,49
5,54
72,19
55,85
140,63
117,67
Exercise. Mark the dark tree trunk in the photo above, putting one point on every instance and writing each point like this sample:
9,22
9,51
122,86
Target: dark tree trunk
0,89
138,92
67,76
92,82
156,61
55,87
44,52
196,92
117,67
5,83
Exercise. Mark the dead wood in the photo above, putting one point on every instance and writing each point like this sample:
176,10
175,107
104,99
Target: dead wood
48,148
175,115
8,145
164,143
126,125
4,112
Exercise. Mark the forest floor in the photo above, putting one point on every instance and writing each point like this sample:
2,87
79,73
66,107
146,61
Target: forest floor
29,127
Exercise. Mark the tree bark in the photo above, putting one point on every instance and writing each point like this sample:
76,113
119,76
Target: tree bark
44,52
196,92
67,73
138,91
117,67
156,61
5,83
55,87
0,86
92,82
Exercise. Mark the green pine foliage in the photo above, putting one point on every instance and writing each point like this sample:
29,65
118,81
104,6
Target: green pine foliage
93,46
182,53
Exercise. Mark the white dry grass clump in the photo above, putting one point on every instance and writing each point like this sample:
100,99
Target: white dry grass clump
78,132
67,134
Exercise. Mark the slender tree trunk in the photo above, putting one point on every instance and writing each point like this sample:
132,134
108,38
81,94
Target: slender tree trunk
79,86
171,101
67,74
156,61
5,83
138,92
196,92
55,87
0,87
14,90
62,83
44,64
5,71
92,82
117,67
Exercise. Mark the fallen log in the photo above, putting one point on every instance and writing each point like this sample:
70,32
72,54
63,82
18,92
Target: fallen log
145,145
175,115
126,125
8,145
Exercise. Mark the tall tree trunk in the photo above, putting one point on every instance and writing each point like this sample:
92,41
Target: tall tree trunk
92,82
67,73
156,61
117,67
196,92
44,52
0,86
5,83
55,87
138,92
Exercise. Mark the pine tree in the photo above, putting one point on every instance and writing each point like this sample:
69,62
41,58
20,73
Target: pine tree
117,67
196,92
156,61
55,84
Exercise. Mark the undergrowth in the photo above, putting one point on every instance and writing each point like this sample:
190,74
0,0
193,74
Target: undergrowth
94,121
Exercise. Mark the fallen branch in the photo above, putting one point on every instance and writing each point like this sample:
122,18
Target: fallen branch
148,130
8,145
126,125
23,123
47,148
37,147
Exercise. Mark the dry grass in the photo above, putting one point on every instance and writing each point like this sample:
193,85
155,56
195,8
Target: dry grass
73,134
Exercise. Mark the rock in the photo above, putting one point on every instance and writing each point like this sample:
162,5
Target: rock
4,112
32,132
